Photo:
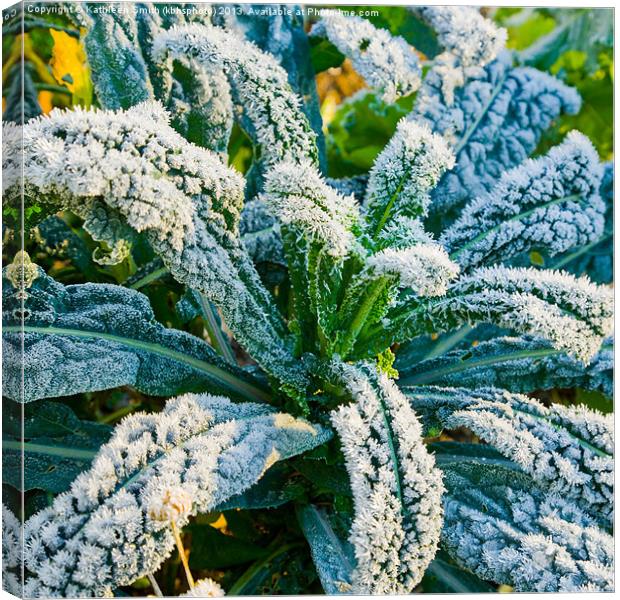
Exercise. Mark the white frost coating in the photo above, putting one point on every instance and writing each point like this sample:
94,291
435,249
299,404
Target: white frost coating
402,232
516,535
425,268
405,172
205,588
567,450
465,33
550,203
11,552
396,487
259,84
130,169
387,63
299,196
100,534
574,314
132,160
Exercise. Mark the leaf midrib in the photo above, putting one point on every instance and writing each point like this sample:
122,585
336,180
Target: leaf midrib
247,389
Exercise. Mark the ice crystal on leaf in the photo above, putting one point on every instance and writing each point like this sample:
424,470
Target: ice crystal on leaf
106,530
504,529
259,84
387,63
320,281
301,198
396,487
205,588
12,547
465,33
404,173
425,268
567,450
493,123
551,203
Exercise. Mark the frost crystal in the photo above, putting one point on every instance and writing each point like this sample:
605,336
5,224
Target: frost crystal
205,588
550,203
465,33
300,197
101,534
493,123
567,450
505,530
404,173
11,552
258,84
402,232
113,167
387,63
574,314
396,487
426,269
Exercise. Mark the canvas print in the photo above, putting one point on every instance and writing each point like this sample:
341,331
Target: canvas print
306,299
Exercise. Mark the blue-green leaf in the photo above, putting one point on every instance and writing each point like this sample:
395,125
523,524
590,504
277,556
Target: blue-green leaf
90,337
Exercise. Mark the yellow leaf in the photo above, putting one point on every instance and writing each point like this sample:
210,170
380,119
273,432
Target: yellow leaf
70,68
45,101
220,523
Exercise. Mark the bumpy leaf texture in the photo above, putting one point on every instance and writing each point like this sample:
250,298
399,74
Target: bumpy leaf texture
504,529
258,83
396,487
518,364
550,204
387,63
90,337
573,314
567,450
493,124
188,203
107,531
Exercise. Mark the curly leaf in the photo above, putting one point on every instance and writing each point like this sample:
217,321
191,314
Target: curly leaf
258,84
523,364
502,528
550,204
113,525
89,337
567,450
493,124
387,63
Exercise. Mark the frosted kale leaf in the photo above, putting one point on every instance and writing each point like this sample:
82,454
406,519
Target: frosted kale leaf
404,173
258,84
387,63
502,528
518,364
396,487
596,258
186,201
302,200
549,204
12,548
112,526
90,337
493,124
465,33
332,558
567,450
574,314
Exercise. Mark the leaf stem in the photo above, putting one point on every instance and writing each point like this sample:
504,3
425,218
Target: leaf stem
182,555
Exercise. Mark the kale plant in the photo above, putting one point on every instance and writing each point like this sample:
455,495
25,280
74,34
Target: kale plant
356,356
